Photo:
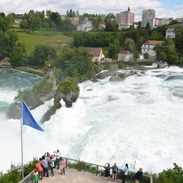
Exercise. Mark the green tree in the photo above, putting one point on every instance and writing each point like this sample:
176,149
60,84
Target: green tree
110,24
18,57
41,54
173,22
146,56
136,54
76,63
173,175
24,24
167,51
4,24
112,51
129,44
179,41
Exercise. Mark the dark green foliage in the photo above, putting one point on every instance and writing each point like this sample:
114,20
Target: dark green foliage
97,39
41,54
5,22
68,85
173,22
18,57
76,63
14,174
167,52
174,175
110,24
146,55
179,41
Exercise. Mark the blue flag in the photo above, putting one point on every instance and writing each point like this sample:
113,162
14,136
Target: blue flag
28,119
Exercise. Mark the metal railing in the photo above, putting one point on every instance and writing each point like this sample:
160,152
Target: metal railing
98,169
27,179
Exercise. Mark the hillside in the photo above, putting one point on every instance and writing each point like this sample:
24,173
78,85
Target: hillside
55,39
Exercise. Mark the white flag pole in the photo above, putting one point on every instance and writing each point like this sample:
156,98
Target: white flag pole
22,141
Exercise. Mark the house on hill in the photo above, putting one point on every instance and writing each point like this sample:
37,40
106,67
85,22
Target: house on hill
125,55
85,26
148,47
96,54
170,31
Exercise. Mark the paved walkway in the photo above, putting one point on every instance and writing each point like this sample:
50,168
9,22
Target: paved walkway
74,176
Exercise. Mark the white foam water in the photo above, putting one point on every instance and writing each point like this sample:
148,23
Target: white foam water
138,119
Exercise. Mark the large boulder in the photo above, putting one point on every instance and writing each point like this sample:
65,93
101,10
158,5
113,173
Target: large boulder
68,91
5,62
121,76
162,65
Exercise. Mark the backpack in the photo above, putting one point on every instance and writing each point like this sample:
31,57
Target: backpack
115,170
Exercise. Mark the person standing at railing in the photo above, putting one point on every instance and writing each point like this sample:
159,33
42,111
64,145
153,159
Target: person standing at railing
126,169
63,166
107,171
44,164
58,157
138,175
39,169
52,165
115,171
35,177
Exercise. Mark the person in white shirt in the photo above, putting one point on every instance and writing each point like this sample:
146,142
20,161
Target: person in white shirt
58,157
126,169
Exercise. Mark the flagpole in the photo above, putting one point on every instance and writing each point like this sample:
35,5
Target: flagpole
22,140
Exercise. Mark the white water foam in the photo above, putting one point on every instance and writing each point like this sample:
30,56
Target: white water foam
139,119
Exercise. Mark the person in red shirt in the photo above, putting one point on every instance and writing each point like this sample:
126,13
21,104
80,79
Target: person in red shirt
39,169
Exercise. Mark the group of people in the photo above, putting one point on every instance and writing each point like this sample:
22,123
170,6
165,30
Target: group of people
124,172
47,163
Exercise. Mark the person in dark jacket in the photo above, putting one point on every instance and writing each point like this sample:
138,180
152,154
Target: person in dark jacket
138,175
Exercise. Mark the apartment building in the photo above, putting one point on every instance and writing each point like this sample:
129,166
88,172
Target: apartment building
148,16
125,19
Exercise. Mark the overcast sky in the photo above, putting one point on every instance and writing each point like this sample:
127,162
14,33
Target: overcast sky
163,8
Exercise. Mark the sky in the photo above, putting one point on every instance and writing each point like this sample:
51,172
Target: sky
163,8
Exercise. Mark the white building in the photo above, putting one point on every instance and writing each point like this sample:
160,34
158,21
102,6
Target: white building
148,47
85,26
170,32
148,16
125,55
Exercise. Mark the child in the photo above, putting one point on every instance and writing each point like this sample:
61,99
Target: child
52,165
35,176
63,166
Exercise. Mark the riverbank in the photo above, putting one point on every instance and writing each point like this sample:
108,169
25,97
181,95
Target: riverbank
31,70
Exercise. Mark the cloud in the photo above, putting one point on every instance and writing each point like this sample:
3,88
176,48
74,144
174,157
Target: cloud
94,7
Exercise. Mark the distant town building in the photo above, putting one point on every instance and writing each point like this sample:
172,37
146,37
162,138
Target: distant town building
85,26
164,21
96,54
125,55
18,21
148,16
179,19
148,47
170,31
125,19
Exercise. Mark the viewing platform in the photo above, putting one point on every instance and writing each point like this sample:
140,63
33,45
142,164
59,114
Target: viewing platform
80,176
74,176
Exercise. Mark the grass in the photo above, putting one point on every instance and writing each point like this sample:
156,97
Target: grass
54,39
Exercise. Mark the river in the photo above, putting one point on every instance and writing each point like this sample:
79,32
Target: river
136,120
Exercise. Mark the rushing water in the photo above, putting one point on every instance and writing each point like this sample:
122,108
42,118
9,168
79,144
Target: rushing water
138,119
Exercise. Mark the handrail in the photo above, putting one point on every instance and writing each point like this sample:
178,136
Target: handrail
25,178
97,169
97,165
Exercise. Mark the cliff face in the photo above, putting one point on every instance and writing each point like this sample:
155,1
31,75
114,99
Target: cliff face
68,90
